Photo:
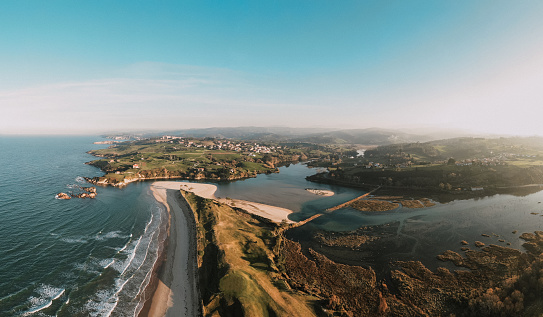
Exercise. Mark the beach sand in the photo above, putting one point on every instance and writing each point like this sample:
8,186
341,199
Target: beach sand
176,292
276,214
273,213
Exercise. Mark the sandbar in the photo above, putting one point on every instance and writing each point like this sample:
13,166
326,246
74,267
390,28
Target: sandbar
320,192
273,213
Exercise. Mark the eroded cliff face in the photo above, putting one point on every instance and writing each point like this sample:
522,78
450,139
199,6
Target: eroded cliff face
162,174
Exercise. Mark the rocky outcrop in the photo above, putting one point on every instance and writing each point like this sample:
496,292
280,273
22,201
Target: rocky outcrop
91,190
88,192
63,196
85,195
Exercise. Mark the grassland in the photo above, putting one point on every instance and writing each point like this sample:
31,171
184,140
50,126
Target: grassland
238,269
197,159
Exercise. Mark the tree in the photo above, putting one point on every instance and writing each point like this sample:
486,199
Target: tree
451,161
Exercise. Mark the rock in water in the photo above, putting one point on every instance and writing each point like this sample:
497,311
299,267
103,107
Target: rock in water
63,196
89,189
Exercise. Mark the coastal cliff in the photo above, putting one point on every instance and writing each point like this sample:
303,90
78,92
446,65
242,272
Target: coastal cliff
117,180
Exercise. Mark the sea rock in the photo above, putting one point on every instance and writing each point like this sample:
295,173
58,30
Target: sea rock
89,189
63,196
86,195
479,244
464,242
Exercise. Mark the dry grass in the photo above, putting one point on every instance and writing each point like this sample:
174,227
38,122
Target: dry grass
251,284
373,205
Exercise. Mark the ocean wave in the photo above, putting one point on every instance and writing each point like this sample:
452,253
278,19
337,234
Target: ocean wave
125,246
80,180
46,295
105,263
98,237
133,264
75,240
88,267
102,304
110,235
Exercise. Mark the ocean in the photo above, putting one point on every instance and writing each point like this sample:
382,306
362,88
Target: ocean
78,257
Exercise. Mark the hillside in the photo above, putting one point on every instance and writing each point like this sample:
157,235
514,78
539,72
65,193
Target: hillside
238,274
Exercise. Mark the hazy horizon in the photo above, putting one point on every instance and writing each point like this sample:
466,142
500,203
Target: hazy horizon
94,67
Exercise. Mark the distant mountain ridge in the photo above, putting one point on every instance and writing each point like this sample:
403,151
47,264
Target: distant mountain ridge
368,136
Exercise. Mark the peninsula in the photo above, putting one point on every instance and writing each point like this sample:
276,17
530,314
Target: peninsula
198,159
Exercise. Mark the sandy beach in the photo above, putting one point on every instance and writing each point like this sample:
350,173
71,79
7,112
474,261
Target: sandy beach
274,213
176,292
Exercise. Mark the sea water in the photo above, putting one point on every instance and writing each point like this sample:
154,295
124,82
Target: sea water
78,257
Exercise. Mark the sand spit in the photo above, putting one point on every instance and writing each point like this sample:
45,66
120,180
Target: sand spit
276,214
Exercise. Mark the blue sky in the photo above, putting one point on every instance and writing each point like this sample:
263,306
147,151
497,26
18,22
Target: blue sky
92,66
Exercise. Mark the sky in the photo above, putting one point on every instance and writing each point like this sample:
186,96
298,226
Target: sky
79,67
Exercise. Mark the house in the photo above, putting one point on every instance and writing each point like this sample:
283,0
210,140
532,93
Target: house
135,166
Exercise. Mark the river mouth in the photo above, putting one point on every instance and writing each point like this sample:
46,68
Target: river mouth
404,234
407,234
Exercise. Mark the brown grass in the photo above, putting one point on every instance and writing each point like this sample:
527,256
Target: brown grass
250,283
373,205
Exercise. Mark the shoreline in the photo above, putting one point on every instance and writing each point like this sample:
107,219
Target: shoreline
273,213
174,287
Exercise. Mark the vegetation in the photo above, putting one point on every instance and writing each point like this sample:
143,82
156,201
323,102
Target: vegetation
207,158
237,266
446,166
495,280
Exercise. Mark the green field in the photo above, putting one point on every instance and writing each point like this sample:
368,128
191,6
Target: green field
200,159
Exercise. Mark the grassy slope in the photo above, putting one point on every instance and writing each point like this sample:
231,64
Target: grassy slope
238,275
155,159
